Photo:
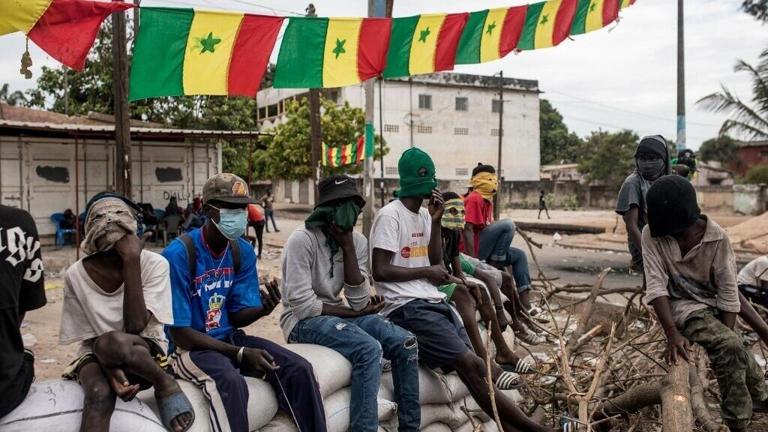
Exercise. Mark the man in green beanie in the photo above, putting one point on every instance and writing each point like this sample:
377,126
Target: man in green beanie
406,245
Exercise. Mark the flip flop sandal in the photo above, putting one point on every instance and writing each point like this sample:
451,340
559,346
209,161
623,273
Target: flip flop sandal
520,367
173,406
537,314
508,381
529,337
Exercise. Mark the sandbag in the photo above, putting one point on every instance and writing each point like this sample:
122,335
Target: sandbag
281,423
57,406
332,370
437,413
434,388
437,427
337,410
262,404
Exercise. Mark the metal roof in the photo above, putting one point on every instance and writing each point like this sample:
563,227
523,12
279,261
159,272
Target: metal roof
85,131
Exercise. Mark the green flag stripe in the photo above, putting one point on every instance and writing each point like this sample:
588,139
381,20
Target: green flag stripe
580,20
158,56
528,38
399,54
468,51
300,62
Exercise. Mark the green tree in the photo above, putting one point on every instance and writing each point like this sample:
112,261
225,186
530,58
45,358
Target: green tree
558,144
756,8
12,98
610,157
758,174
720,149
287,153
747,120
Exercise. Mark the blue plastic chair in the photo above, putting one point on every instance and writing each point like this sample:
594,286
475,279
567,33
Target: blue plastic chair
57,219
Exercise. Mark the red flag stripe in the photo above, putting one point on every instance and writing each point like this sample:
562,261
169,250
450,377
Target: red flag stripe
448,40
360,148
610,11
251,52
565,15
514,22
68,28
372,47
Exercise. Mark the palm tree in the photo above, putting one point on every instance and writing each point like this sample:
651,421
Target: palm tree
749,121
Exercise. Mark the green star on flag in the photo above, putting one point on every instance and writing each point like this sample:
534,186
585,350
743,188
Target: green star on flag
423,35
339,47
544,19
592,7
208,44
491,27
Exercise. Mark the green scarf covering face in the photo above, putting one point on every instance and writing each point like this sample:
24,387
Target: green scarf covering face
344,215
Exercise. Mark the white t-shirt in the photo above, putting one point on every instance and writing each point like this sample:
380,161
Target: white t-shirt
754,272
399,230
89,311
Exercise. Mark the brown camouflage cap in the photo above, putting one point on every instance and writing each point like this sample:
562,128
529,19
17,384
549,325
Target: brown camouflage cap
228,188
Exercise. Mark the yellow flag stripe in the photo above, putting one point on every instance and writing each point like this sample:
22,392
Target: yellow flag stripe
494,25
209,49
546,26
340,55
424,44
21,15
595,15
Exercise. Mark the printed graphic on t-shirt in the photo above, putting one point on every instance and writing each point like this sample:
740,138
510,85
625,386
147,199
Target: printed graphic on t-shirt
213,314
214,279
16,247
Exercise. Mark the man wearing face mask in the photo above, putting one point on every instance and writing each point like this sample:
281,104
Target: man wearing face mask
216,292
322,259
651,162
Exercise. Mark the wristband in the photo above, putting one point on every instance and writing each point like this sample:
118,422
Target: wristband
239,356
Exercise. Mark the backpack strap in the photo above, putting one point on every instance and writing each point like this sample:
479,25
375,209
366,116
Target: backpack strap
235,246
189,245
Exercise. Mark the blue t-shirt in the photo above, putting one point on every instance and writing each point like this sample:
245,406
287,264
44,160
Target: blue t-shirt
217,290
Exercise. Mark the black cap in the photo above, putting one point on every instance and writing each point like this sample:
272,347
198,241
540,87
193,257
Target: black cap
338,187
672,206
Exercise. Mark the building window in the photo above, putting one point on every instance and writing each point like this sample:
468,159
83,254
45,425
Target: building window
425,101
496,106
424,129
272,110
495,132
391,128
462,104
463,172
390,170
461,131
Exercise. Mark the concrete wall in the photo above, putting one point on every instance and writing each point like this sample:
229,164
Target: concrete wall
39,174
749,199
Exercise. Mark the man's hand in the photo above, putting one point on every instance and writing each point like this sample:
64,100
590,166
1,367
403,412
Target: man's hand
436,207
437,274
344,238
119,383
375,306
258,360
130,246
270,297
677,345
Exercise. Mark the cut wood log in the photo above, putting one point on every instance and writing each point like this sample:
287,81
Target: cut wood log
632,401
699,405
676,412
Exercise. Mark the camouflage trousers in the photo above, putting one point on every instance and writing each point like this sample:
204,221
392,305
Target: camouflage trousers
738,375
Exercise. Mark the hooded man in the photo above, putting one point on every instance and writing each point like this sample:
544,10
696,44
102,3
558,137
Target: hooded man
116,301
216,293
407,263
322,259
651,162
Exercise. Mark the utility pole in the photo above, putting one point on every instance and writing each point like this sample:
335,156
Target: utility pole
496,200
315,131
410,113
681,144
120,94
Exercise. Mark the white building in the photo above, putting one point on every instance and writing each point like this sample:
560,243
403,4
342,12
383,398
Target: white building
453,117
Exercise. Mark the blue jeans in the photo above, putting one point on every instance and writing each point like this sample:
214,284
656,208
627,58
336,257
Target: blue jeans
362,341
518,260
495,240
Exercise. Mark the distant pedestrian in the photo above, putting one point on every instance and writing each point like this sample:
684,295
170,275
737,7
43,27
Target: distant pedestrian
257,221
268,201
543,204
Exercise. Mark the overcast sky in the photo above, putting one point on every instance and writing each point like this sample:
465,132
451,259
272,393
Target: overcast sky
621,77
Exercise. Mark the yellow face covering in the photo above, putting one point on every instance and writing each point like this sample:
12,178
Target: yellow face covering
485,184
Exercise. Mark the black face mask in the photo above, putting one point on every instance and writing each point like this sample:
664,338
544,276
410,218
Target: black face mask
650,169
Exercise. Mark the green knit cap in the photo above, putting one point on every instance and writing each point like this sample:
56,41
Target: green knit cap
417,174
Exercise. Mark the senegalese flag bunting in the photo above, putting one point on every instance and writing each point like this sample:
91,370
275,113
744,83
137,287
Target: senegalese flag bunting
65,29
491,34
349,154
192,52
593,15
331,52
423,44
626,3
547,24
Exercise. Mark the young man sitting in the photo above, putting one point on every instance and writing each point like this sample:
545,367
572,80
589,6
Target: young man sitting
116,300
469,297
215,293
407,267
690,275
322,259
